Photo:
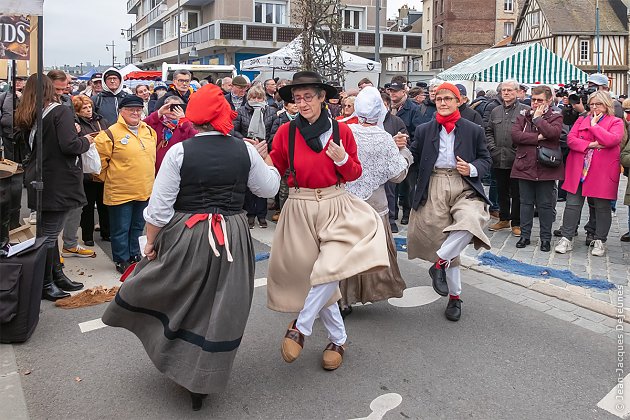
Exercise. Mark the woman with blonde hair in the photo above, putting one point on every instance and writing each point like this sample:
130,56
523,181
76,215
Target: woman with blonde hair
348,114
253,124
592,170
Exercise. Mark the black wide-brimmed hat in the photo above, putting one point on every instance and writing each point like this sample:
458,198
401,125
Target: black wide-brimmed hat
306,78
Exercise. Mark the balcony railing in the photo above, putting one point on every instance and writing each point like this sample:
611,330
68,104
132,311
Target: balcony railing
248,32
154,13
132,6
437,64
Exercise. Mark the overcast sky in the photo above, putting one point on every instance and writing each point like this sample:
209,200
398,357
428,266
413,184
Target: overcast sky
77,30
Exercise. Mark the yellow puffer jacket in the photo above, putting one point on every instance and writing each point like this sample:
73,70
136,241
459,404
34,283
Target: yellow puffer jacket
128,163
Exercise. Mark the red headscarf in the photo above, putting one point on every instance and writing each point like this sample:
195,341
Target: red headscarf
448,122
208,105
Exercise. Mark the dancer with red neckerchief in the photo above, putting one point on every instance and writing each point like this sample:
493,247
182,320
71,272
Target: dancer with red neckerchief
450,207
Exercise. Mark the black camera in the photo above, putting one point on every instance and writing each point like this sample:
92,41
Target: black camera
576,93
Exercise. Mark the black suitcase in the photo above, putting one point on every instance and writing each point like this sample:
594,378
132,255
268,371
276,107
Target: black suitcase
21,281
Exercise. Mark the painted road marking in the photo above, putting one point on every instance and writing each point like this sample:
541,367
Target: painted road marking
614,401
97,324
414,297
381,405
92,325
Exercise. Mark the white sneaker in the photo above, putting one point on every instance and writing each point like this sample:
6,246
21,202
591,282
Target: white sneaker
564,245
599,250
32,218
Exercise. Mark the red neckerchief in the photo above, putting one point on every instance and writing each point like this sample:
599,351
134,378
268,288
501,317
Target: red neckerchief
449,121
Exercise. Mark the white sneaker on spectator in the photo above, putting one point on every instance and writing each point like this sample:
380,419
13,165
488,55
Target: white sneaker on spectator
564,245
599,249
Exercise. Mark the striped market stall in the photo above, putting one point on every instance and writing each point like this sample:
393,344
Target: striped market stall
527,63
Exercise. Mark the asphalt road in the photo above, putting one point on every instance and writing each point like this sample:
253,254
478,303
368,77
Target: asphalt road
502,360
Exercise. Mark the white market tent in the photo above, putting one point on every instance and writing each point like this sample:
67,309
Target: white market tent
128,69
288,58
527,63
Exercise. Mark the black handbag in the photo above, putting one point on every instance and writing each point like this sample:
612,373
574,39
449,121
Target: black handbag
551,158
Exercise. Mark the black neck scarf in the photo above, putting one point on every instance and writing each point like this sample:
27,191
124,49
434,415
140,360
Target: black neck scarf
311,132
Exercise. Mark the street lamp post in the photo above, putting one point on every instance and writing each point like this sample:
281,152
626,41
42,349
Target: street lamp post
129,33
113,45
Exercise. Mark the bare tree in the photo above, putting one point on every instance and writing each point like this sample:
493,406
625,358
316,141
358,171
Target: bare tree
320,21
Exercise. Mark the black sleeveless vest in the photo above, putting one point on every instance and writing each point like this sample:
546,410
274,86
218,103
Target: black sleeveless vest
214,175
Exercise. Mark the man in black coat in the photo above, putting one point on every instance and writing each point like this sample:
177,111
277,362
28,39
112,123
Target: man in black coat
181,87
466,112
408,111
106,102
395,127
450,205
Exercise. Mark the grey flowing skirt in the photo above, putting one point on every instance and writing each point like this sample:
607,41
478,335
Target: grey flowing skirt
189,307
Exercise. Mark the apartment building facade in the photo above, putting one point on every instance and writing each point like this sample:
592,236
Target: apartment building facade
228,31
453,32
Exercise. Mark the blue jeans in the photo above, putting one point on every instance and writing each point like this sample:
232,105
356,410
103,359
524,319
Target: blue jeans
493,194
126,226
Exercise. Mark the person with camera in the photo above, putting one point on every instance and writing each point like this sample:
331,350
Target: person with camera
592,170
253,124
169,127
537,164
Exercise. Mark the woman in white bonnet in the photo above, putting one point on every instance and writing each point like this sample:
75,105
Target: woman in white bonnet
383,159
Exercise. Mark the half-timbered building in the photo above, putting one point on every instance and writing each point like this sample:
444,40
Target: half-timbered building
568,28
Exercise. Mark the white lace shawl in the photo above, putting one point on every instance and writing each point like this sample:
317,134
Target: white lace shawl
379,157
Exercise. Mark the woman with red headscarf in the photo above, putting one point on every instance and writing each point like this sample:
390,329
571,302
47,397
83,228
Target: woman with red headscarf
189,299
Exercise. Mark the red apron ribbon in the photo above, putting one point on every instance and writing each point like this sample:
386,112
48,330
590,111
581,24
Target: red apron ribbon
215,224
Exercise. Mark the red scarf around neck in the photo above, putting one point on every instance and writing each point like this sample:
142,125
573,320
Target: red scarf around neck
449,121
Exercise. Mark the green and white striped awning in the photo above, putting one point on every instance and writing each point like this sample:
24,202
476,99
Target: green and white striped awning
527,63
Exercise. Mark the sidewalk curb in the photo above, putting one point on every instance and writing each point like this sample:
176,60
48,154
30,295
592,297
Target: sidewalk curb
575,298
12,398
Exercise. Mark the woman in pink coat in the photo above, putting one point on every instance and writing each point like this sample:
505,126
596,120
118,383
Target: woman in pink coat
592,170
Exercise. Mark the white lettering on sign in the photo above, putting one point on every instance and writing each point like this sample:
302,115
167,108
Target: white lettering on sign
10,32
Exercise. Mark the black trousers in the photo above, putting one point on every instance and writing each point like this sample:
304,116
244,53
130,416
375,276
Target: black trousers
94,194
543,195
509,197
391,192
407,188
255,206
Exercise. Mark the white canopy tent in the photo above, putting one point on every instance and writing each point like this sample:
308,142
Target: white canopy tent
288,58
128,69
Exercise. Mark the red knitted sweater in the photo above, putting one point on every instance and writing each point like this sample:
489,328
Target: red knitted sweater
315,170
